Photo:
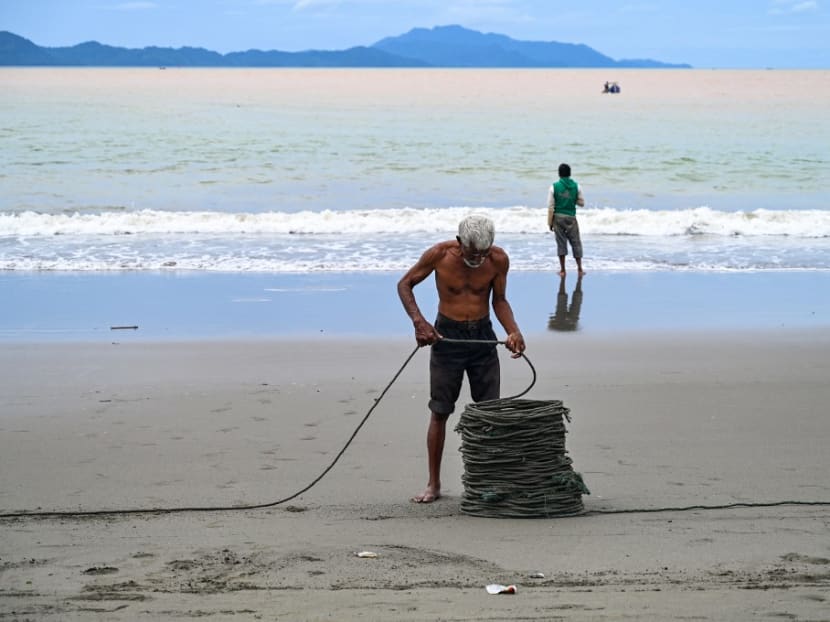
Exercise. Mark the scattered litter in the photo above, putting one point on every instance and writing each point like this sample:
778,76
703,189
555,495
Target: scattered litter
537,575
495,588
368,554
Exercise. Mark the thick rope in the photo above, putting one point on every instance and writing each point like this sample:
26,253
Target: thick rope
257,506
515,462
526,360
225,508
222,508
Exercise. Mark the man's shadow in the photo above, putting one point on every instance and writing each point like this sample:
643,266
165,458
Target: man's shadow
566,318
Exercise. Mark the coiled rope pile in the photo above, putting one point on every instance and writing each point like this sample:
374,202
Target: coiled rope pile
515,462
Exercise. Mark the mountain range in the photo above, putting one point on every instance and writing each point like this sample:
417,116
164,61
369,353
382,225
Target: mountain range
441,46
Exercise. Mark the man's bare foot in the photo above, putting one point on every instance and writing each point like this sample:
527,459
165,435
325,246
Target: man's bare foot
428,496
582,273
561,273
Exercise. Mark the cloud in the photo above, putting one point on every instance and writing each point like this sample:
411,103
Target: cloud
299,5
639,8
782,7
134,6
415,5
799,7
484,13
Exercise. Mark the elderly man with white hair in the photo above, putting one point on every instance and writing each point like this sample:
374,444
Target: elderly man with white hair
469,272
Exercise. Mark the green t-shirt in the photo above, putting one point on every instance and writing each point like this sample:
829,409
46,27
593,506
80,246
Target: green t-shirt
565,193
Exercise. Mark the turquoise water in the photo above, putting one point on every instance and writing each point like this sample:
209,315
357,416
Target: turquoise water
288,140
126,189
358,170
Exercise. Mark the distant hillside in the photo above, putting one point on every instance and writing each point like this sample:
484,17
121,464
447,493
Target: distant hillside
15,50
442,46
454,46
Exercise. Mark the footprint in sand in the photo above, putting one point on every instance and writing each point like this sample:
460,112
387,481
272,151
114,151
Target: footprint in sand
101,570
805,559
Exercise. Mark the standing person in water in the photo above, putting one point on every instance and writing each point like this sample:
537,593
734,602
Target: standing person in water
469,272
563,197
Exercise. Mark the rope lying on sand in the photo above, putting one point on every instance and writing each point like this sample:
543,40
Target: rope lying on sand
560,491
515,460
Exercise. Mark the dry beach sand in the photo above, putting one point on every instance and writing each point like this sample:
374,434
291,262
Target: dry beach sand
657,421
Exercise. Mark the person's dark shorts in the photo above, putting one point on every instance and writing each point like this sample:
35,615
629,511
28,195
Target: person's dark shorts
567,230
449,361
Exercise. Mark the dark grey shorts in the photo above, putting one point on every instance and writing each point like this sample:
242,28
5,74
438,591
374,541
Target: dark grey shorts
567,230
449,361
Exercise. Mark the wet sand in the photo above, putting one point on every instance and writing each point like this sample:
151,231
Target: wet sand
666,421
199,306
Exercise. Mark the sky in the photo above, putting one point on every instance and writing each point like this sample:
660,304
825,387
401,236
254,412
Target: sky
703,33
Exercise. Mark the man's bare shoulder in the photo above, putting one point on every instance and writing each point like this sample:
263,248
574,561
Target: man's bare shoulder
446,245
498,255
440,250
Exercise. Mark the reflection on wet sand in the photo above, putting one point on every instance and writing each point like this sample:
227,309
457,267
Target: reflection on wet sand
566,318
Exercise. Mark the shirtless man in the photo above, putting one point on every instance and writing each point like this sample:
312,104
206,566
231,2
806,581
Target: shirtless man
468,270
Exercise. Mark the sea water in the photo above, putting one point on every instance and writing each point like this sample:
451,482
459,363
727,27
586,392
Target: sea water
360,170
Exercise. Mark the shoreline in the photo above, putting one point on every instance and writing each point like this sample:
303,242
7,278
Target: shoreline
226,306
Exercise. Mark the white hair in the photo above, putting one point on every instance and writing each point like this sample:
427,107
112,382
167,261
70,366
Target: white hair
476,231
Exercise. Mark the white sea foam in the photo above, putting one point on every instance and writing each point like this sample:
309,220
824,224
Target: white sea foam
699,239
517,220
